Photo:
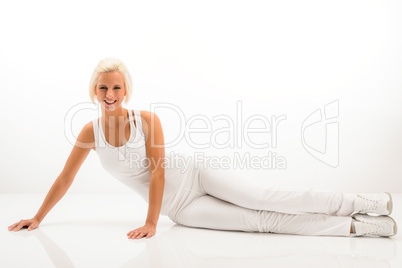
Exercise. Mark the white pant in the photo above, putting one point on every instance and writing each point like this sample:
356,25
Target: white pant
215,200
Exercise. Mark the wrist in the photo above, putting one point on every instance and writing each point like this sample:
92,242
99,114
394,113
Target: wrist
37,218
150,223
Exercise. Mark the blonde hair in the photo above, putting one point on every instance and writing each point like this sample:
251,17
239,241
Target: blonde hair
110,65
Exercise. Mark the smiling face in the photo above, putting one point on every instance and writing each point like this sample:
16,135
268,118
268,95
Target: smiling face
110,90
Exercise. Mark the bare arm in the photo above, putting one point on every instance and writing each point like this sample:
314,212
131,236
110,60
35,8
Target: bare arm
156,154
63,182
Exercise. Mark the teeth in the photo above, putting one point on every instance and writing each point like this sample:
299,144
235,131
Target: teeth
110,101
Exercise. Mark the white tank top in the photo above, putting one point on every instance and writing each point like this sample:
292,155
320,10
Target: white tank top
129,165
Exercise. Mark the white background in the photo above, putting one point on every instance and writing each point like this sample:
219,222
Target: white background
276,57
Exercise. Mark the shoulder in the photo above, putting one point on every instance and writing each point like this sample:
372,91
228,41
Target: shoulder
150,121
148,118
86,135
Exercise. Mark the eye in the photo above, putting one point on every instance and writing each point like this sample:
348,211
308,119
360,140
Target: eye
102,87
116,87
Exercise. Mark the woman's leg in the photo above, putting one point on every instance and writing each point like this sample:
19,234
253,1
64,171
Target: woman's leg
212,213
229,187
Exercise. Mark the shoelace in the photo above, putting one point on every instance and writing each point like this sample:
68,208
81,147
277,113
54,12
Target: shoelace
369,204
372,228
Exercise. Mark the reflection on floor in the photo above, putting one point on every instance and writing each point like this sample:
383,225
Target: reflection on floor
90,231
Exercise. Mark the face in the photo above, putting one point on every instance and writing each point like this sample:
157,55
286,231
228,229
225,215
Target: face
110,90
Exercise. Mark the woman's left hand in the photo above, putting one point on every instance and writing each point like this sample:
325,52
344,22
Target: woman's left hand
147,230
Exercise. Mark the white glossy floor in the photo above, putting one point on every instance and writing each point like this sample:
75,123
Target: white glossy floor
90,231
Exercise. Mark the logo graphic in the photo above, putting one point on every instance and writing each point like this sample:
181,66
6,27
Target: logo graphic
320,135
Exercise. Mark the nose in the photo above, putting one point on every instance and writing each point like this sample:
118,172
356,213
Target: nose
109,94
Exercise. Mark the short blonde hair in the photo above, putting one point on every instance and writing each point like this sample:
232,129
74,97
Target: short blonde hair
110,65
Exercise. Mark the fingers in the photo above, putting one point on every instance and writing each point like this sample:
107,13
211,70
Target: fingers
150,234
16,226
22,223
136,234
132,235
11,227
19,226
140,235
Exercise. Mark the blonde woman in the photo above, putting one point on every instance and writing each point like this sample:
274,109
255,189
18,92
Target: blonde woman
130,145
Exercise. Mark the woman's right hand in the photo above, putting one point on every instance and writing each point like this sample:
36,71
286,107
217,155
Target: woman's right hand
31,224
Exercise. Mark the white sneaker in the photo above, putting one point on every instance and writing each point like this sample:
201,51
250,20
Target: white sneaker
380,203
366,225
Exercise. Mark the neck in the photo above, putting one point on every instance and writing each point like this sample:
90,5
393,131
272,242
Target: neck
114,118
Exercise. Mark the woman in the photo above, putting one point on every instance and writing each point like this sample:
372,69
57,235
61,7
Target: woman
130,145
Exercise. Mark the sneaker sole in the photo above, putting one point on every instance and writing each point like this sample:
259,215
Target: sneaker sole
389,204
